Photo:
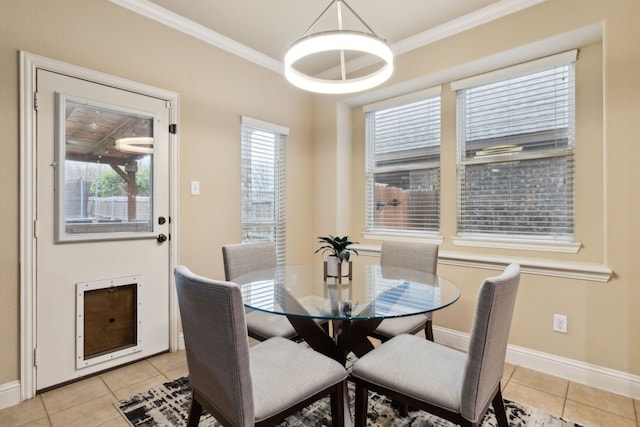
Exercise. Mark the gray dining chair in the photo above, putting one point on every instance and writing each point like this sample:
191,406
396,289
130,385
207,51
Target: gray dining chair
242,259
418,256
241,385
446,382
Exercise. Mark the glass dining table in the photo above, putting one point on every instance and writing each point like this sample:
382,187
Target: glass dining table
335,316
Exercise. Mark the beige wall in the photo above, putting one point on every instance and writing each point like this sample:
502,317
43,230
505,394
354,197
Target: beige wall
603,317
216,88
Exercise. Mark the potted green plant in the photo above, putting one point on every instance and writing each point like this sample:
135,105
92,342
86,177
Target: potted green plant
339,249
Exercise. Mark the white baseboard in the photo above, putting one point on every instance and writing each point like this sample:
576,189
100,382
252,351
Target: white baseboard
9,394
580,372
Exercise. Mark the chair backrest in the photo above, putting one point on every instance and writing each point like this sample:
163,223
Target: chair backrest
410,255
215,336
241,259
488,344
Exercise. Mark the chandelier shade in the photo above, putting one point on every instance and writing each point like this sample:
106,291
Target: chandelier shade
339,41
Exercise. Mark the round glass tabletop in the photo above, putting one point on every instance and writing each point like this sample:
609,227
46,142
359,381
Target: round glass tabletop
374,292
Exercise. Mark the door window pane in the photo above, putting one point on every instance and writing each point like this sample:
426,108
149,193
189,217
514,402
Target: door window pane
105,178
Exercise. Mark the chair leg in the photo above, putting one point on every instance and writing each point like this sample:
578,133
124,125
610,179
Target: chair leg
403,409
499,410
194,413
337,405
428,330
361,405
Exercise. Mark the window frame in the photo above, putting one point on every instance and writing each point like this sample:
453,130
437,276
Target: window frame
547,242
278,222
381,233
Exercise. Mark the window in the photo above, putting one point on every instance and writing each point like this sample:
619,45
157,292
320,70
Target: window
403,164
263,183
516,140
105,178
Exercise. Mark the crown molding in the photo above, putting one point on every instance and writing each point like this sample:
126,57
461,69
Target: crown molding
200,32
464,23
482,16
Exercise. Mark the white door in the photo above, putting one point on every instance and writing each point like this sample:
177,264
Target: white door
102,208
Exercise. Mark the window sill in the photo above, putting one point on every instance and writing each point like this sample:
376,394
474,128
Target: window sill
519,244
592,272
404,237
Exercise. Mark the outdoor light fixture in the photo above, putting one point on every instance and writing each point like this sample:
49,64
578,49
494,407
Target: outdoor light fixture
338,41
137,144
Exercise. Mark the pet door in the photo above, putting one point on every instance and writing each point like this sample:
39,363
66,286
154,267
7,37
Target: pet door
109,319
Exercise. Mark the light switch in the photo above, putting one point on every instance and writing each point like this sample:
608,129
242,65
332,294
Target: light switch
195,188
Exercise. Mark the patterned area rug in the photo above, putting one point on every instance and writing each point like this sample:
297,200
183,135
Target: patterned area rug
168,405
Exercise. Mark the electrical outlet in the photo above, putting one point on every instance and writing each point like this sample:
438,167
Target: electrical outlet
560,323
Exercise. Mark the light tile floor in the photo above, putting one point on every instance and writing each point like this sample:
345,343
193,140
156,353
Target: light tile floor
90,402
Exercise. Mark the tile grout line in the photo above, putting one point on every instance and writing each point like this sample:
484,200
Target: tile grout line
564,401
588,405
46,411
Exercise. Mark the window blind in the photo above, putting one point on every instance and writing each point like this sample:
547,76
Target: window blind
516,141
263,183
403,167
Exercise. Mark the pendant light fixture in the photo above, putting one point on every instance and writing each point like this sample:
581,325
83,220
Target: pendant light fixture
338,41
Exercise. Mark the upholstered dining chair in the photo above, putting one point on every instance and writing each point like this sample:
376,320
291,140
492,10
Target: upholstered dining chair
241,385
418,256
241,259
448,383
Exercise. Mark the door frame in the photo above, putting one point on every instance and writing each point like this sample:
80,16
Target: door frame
29,64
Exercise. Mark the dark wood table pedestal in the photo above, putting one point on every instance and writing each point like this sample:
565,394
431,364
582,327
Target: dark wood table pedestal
344,337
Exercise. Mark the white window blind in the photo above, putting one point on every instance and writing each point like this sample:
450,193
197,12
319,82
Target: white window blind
263,184
516,140
403,167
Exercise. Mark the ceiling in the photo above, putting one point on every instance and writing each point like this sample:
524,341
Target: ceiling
262,30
